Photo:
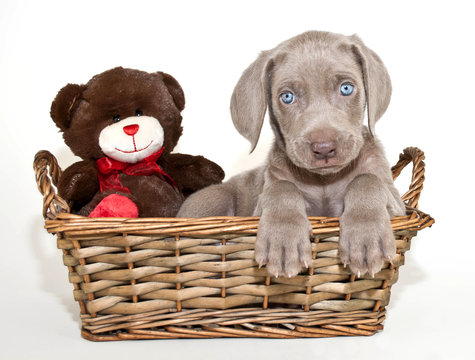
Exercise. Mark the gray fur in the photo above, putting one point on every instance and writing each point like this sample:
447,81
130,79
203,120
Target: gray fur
354,183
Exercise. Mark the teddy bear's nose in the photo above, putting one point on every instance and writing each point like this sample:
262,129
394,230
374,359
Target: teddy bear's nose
131,129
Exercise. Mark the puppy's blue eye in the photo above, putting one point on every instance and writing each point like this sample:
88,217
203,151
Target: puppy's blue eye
287,97
346,89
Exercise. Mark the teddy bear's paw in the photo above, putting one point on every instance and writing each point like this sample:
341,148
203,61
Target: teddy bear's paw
115,205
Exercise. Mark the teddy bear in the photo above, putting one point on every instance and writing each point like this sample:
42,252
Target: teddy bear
124,124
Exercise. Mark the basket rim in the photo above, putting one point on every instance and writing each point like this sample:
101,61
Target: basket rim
76,225
58,218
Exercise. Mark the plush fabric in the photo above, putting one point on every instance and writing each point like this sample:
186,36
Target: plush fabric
128,115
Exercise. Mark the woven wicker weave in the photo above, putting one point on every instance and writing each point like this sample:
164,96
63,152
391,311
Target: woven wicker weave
160,278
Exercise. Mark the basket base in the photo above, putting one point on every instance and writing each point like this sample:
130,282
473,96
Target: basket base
280,324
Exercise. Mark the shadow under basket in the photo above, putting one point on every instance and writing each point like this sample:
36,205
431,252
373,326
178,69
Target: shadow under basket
163,278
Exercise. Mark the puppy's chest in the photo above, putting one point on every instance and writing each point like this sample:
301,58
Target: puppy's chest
323,200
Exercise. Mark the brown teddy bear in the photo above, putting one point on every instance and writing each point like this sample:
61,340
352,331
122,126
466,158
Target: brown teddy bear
124,123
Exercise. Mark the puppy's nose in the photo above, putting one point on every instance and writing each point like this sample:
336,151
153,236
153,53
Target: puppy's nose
324,149
131,129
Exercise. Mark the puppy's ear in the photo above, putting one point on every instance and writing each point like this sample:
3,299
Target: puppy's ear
65,104
376,81
248,102
174,89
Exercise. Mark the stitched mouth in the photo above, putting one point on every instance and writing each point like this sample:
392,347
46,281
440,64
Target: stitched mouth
135,150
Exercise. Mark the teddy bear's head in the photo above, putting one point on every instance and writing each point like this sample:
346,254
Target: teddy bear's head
124,114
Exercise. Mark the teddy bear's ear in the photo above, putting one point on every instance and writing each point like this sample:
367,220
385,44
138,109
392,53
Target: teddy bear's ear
175,90
65,104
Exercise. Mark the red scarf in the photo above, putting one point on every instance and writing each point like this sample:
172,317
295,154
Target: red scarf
108,171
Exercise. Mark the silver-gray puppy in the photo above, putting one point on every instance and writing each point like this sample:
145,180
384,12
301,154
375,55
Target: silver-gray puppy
324,161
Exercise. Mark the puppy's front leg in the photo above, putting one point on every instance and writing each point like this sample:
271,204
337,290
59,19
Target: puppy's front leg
283,236
366,237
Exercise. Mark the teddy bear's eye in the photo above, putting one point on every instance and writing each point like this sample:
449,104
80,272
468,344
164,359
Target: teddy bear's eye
138,112
116,118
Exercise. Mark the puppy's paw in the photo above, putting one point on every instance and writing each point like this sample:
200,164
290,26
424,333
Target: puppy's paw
366,242
284,244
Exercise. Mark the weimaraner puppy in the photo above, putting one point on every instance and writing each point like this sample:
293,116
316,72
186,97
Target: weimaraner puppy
324,162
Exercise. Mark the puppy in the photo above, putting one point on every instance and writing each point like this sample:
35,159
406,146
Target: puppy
324,161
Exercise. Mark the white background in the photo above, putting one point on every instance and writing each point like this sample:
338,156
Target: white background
428,50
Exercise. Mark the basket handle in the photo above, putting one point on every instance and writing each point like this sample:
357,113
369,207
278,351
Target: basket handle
53,204
417,157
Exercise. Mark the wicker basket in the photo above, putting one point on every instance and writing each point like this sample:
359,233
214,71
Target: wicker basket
162,278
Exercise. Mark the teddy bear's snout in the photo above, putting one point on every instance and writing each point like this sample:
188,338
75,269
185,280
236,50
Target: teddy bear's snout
131,129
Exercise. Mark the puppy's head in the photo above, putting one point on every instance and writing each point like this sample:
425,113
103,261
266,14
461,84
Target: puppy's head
316,87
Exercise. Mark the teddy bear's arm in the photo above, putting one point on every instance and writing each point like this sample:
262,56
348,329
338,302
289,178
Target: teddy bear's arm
79,182
191,173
